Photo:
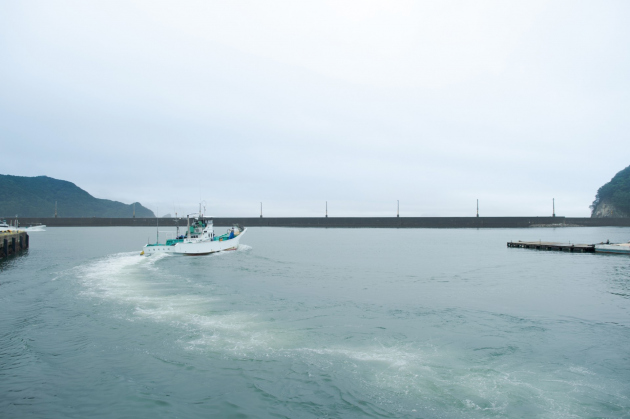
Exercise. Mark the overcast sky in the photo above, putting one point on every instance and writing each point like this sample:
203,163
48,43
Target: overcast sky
360,103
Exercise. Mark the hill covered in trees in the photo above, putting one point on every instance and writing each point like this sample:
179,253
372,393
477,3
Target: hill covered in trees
36,197
613,199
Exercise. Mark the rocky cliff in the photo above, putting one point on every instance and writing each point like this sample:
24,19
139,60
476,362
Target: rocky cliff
613,199
607,210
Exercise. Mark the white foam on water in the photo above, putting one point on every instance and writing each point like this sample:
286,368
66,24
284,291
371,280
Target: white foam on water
239,248
581,370
248,341
443,377
392,357
103,277
124,276
153,294
417,373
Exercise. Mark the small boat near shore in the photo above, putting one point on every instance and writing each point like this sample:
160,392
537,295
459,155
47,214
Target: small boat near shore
617,248
7,227
200,239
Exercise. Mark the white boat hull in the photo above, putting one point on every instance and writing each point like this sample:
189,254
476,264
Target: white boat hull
194,248
621,248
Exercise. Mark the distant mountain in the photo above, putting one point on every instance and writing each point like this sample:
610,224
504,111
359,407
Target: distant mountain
36,197
613,199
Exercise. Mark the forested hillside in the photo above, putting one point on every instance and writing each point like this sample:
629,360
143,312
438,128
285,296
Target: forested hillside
613,199
36,197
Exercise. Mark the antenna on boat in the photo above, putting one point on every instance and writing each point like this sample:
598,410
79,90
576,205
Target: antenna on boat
176,224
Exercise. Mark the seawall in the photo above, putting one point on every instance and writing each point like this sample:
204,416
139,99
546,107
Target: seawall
344,222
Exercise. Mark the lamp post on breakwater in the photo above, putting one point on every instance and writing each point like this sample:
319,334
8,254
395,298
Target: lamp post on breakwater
477,208
397,208
326,209
553,200
261,210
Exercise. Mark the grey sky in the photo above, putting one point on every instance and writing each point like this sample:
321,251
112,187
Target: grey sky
291,103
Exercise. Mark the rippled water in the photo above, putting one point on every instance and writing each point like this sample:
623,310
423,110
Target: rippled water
316,323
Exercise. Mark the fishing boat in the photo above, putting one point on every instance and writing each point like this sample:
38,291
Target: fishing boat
7,227
200,239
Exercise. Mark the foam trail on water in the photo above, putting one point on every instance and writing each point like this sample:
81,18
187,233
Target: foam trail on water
428,373
407,372
153,293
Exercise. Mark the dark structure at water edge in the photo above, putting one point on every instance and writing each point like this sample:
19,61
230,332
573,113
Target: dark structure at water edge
344,222
12,242
560,247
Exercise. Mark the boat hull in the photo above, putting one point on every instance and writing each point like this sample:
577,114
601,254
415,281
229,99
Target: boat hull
623,248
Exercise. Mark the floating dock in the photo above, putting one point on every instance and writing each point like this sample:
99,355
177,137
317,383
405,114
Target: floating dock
560,247
12,242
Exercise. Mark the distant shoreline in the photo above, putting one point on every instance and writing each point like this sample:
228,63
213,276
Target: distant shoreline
343,222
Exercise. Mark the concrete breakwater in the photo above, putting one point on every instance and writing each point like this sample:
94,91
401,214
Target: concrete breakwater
344,222
12,242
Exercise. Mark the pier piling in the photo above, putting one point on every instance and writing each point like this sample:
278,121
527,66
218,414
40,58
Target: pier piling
13,242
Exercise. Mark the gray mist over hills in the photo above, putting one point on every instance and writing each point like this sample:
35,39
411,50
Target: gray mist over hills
357,103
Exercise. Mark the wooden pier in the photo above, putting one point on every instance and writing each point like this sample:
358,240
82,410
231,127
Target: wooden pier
559,247
12,242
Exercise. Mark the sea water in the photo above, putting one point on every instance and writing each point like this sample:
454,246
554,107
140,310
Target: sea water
347,323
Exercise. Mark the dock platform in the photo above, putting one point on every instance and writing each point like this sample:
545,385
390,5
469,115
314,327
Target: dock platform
12,242
560,247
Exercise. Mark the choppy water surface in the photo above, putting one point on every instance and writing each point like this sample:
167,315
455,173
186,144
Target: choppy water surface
316,323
